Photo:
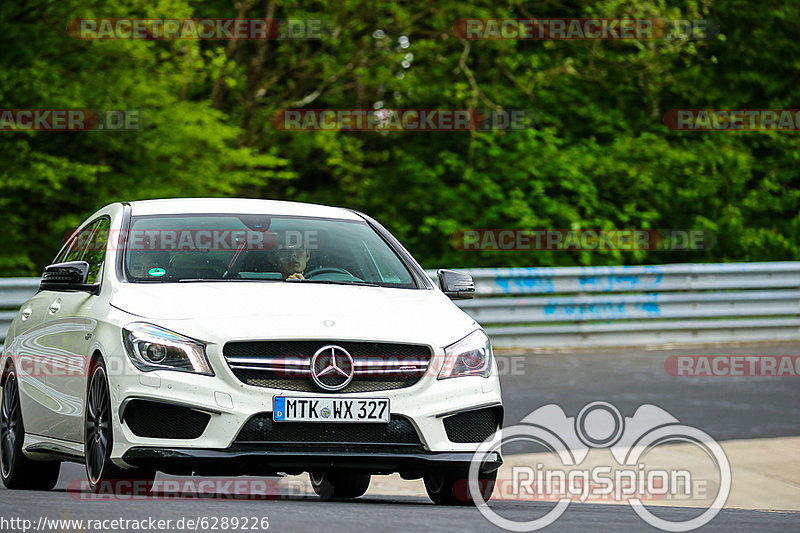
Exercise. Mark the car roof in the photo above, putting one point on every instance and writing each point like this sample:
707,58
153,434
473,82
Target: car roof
238,206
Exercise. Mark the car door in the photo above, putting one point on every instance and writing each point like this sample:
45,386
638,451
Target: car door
28,355
65,334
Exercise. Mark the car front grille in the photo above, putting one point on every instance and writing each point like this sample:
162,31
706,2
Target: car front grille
261,429
286,365
473,426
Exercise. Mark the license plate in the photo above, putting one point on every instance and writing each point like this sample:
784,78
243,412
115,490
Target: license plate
321,409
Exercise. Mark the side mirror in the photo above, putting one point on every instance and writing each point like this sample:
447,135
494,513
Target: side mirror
456,285
69,276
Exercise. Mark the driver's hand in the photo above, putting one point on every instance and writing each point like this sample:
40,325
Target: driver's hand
296,275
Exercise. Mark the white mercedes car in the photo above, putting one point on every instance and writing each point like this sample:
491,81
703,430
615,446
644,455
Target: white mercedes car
246,337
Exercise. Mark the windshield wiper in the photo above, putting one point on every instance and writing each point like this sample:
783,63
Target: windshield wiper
293,280
334,282
204,280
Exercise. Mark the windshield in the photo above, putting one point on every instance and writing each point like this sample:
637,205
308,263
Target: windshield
185,248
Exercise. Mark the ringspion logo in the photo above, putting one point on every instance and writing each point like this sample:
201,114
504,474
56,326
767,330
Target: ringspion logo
628,476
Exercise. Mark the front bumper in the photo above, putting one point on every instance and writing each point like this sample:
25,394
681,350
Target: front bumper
230,404
241,459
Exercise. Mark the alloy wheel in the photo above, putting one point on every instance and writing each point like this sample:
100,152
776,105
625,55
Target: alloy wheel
98,427
8,423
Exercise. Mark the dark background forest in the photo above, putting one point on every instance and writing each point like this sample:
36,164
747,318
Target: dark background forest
600,155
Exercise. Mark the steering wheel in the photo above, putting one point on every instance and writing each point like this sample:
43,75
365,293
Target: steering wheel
328,270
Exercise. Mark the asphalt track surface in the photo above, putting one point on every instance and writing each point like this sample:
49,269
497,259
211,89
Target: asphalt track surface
726,408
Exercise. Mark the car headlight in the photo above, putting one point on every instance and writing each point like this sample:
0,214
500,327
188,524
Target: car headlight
471,356
150,348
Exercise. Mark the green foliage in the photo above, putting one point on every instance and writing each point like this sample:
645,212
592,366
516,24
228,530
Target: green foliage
599,157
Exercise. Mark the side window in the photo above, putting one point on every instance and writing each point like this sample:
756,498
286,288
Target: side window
88,245
388,265
95,253
63,253
77,245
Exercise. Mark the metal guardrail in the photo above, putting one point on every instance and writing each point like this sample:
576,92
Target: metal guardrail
607,306
637,305
13,293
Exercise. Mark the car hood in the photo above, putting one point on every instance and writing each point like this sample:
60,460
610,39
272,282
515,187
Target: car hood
219,311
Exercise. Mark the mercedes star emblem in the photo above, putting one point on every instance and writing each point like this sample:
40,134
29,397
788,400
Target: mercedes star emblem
332,367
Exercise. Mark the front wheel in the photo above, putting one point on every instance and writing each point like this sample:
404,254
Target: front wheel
18,471
99,439
452,487
335,485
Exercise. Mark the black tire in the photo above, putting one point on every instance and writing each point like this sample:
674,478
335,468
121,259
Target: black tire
339,485
452,487
99,439
18,471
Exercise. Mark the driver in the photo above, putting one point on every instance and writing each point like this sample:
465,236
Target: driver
292,261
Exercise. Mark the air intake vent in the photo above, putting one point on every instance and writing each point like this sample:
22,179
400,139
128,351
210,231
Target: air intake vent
164,421
262,430
473,426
